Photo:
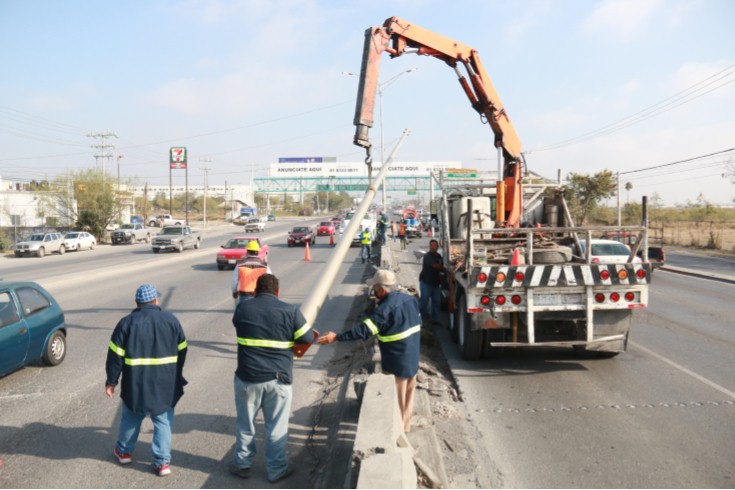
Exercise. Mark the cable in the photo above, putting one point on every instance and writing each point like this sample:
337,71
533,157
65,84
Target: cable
680,98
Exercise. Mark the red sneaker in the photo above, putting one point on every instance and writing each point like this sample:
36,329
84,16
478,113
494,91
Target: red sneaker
123,458
163,470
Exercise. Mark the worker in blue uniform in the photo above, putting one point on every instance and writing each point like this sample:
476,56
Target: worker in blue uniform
148,348
267,331
397,323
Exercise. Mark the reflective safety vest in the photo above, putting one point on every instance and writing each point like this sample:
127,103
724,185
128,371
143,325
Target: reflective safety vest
366,238
402,230
249,277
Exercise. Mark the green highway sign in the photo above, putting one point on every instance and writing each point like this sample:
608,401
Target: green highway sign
462,175
411,192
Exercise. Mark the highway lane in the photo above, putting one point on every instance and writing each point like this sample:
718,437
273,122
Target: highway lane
659,415
57,428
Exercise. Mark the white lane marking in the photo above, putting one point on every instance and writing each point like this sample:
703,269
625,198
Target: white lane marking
694,375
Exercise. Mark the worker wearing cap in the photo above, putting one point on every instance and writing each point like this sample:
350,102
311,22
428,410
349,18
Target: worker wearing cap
397,323
247,272
148,348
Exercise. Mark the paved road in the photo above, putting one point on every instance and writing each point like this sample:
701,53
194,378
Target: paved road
659,415
57,428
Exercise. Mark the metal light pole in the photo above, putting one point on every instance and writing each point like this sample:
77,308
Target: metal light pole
119,207
381,89
313,302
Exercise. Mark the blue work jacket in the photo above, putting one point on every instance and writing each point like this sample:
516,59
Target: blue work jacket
149,348
267,329
397,323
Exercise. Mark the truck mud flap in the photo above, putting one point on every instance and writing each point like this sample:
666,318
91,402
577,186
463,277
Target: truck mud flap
610,323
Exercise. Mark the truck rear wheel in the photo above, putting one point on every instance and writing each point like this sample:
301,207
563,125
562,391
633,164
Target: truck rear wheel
470,341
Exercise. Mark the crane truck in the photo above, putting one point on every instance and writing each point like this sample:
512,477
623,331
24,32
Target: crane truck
518,273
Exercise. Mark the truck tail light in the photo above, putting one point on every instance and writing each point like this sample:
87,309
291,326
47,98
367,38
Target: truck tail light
481,277
640,273
499,277
515,299
614,297
485,300
520,276
605,274
629,296
623,274
500,300
599,297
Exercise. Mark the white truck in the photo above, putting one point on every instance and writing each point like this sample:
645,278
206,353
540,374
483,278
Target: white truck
534,285
255,224
368,223
165,220
516,273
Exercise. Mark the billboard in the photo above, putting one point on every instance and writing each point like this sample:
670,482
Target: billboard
356,169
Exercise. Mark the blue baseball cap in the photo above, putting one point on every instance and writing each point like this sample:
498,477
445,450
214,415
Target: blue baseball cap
146,293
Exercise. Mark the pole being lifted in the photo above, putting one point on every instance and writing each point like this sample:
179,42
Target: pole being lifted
311,305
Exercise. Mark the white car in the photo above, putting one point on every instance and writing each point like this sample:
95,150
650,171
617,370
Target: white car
608,252
78,240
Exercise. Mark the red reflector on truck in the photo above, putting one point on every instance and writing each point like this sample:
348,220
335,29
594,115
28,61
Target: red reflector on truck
475,310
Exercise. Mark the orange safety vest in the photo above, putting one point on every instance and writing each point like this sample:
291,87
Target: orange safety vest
248,277
402,231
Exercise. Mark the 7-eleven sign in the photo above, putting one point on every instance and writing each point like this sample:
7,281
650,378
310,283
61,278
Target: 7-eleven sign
177,157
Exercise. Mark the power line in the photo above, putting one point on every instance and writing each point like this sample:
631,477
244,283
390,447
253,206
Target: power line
677,162
667,104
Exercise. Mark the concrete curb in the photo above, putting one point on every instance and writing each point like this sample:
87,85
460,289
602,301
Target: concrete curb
383,452
696,273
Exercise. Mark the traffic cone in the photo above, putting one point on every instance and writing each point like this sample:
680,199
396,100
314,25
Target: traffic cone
428,232
331,239
517,259
307,254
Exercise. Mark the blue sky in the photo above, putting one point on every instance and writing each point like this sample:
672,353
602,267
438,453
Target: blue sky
242,83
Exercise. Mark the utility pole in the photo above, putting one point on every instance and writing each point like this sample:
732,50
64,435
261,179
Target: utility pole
206,175
103,148
119,207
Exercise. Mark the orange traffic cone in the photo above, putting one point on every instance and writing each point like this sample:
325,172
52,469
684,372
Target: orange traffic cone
517,259
331,239
307,254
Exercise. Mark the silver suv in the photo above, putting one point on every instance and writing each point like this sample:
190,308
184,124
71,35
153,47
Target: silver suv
41,244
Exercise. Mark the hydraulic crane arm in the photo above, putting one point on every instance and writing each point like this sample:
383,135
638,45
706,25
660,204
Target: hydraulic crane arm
398,37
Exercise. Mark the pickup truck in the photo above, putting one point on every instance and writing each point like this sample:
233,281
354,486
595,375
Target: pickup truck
165,220
255,224
130,233
175,238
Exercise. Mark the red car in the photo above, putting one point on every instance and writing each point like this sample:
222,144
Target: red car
301,235
325,228
236,248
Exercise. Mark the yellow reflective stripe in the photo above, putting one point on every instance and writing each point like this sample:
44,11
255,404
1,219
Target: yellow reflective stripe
117,350
183,345
300,332
371,325
400,336
151,361
273,344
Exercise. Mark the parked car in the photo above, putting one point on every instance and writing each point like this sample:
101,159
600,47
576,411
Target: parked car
325,228
79,240
608,252
656,254
32,326
41,244
271,217
235,249
301,235
136,220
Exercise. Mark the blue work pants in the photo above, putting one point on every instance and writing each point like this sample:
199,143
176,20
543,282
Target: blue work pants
433,294
274,398
130,429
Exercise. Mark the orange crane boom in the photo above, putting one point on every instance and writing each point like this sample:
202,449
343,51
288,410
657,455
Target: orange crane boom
398,37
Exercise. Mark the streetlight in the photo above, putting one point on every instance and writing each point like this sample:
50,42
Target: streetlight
381,89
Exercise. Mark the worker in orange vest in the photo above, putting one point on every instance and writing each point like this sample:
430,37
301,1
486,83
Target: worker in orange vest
402,235
247,272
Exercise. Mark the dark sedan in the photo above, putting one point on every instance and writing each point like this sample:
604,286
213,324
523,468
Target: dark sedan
32,327
301,235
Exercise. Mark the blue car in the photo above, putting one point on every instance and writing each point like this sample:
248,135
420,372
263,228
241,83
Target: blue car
32,327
